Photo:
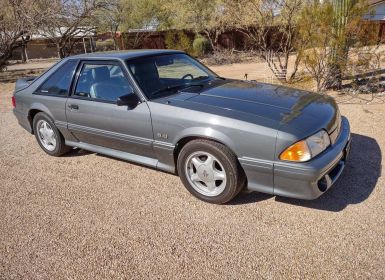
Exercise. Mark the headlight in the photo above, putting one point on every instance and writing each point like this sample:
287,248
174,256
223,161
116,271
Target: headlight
307,149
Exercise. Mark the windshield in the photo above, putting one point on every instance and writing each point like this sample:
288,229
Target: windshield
162,75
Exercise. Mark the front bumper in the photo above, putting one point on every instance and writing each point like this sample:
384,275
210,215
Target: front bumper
311,179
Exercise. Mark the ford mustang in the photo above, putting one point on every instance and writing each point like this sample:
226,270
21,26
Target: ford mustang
165,110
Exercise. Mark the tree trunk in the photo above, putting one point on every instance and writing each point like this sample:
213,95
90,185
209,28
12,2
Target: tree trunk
60,51
24,54
334,80
296,64
114,31
213,47
115,43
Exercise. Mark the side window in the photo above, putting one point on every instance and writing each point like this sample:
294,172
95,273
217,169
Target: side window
102,81
60,82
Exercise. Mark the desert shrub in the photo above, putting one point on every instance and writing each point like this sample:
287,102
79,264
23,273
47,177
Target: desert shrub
107,45
363,72
178,40
201,46
224,56
328,34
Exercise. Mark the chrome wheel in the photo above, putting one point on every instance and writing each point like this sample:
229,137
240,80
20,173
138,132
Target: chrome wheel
205,173
46,135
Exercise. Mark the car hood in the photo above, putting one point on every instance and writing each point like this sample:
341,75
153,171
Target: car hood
289,109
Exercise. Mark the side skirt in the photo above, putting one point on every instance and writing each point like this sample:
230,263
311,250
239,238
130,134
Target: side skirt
151,162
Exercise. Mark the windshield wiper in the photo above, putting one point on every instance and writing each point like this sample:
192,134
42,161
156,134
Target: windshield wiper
200,78
157,92
166,89
220,78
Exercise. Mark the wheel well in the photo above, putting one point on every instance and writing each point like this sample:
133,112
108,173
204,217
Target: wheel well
182,142
31,114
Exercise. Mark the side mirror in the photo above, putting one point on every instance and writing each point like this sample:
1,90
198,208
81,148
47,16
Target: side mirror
131,100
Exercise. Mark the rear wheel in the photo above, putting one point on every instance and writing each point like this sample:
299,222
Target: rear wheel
48,136
210,171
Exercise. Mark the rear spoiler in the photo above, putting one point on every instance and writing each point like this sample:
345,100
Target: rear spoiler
23,83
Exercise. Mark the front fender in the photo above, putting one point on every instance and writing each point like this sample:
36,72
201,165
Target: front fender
205,132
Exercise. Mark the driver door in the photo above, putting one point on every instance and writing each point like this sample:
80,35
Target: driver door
94,118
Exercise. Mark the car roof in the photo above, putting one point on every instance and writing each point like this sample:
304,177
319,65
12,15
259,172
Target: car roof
124,54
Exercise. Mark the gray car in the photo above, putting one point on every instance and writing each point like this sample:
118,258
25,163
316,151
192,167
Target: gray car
166,110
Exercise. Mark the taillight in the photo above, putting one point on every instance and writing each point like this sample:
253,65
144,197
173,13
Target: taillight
13,101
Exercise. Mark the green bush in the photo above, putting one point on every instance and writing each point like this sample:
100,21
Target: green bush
106,45
178,40
201,46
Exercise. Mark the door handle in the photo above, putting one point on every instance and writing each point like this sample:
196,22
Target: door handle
73,107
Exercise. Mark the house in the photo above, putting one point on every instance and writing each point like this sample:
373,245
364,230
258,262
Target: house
377,8
42,44
377,13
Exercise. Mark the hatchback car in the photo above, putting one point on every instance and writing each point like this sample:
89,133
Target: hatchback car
166,110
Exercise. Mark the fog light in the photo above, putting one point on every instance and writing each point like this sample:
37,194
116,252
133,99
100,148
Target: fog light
322,184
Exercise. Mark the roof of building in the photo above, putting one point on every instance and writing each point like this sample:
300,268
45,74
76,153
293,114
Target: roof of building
375,2
124,54
81,32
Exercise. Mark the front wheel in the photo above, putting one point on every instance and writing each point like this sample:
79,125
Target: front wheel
210,171
48,136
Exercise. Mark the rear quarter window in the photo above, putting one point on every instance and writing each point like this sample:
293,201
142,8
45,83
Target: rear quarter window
58,84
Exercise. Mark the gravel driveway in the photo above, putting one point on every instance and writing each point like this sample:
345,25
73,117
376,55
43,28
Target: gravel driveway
87,216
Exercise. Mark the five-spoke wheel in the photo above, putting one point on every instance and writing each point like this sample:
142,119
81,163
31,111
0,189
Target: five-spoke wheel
205,173
210,171
48,136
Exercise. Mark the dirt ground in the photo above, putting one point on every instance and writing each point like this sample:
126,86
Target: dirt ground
87,216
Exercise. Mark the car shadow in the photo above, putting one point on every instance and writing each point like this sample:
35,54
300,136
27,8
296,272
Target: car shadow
249,197
76,152
355,185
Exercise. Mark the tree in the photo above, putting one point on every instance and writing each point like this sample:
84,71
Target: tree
138,17
69,19
179,40
208,17
347,24
326,41
315,29
271,26
18,20
110,18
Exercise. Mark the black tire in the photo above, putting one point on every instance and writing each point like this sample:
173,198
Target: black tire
60,148
235,176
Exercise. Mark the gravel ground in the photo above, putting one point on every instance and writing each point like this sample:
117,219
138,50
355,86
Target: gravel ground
87,216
